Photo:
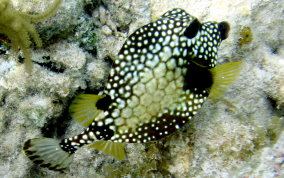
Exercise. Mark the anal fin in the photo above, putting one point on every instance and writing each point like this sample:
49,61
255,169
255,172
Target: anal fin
113,149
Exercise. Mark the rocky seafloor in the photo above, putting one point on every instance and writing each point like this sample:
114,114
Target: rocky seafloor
237,135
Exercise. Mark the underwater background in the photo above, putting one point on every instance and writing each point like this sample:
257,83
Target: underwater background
239,134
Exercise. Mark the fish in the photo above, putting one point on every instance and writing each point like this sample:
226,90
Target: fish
161,77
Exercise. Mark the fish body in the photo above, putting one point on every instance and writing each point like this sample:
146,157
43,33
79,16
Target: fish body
163,74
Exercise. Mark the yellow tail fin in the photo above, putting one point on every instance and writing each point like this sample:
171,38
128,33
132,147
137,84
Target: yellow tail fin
223,76
113,149
83,108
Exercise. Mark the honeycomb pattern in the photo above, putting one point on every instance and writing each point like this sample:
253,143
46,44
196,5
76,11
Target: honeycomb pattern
147,81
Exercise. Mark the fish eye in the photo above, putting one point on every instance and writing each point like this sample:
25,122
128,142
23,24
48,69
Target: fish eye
192,29
224,29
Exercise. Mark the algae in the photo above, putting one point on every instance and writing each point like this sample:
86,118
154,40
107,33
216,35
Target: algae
246,36
18,27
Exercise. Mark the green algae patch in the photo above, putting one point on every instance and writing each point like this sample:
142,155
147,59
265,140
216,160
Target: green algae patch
246,36
269,135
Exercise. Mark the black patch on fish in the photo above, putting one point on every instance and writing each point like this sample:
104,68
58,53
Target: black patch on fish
46,165
54,168
197,77
61,170
27,145
30,152
192,29
37,161
68,147
104,103
224,28
33,157
105,132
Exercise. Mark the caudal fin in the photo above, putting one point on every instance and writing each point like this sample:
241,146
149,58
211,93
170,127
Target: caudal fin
113,149
46,152
223,76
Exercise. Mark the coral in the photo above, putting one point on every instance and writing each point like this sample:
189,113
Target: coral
217,143
18,27
86,35
148,165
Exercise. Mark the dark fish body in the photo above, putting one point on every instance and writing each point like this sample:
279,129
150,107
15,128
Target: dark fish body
160,79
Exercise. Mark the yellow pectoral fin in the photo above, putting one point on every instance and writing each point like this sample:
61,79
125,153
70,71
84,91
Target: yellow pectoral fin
113,149
83,108
223,76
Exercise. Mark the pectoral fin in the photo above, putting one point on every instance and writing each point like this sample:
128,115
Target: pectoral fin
83,108
223,76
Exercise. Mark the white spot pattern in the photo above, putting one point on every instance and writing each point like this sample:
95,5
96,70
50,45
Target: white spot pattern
146,83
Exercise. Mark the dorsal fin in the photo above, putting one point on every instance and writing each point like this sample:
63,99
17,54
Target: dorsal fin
223,76
83,108
113,149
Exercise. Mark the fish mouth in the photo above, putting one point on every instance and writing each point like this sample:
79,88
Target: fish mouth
202,62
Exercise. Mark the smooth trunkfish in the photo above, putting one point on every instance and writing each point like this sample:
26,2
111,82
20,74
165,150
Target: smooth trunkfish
163,74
